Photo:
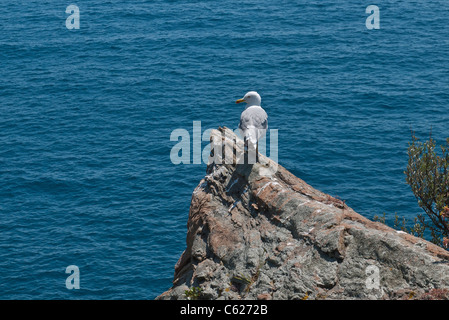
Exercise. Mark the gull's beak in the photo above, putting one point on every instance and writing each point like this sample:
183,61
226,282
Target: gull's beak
240,100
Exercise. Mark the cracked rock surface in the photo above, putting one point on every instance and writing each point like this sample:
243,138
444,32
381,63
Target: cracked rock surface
259,232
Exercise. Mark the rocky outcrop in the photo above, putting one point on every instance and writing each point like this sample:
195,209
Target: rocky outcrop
259,232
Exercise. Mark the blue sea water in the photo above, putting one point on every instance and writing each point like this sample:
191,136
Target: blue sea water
86,117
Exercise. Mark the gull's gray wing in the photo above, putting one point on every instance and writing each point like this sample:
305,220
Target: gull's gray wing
253,117
253,123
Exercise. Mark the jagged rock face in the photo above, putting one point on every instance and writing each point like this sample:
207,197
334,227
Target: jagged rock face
259,232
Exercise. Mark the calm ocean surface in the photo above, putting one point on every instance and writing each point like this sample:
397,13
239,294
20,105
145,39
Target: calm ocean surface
86,117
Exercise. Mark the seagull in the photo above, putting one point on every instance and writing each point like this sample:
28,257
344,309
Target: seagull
253,121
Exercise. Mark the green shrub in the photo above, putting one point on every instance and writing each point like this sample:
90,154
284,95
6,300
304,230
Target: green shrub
428,176
193,293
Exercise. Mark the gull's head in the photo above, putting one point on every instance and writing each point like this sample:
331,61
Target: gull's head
252,98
